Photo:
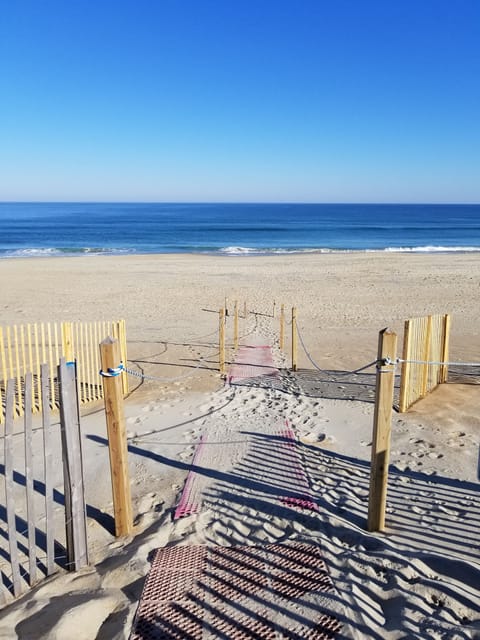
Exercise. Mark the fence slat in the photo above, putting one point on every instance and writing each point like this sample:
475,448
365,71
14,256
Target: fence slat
235,326
32,555
48,471
9,487
445,347
18,372
52,364
221,341
37,356
22,345
123,349
3,362
406,368
281,342
75,514
294,339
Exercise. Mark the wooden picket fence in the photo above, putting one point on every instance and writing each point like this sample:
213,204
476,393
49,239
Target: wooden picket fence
42,502
425,339
24,347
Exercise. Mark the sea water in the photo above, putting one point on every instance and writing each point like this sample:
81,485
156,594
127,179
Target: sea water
48,229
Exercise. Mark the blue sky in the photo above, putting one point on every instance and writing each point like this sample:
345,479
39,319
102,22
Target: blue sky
182,100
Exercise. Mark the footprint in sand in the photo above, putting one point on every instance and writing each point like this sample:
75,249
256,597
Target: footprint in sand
418,510
452,513
329,481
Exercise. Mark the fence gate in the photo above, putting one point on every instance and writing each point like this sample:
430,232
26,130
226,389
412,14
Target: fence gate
425,340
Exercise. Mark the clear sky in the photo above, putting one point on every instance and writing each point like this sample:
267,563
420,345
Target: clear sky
240,100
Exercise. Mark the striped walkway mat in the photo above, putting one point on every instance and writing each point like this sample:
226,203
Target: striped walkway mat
268,593
267,464
252,361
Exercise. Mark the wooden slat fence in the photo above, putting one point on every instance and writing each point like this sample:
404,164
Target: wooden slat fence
24,347
39,498
425,339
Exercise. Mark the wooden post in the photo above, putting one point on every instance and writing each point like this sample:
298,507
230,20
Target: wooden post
75,510
221,341
387,348
445,347
226,306
117,438
245,310
235,326
294,339
281,342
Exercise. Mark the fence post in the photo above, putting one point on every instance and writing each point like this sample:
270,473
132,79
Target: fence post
445,347
294,339
117,438
387,348
281,342
235,326
221,341
75,512
244,309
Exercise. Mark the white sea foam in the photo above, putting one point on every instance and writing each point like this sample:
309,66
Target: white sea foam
432,249
277,251
48,252
239,250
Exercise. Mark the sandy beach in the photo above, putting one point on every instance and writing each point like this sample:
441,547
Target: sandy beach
419,579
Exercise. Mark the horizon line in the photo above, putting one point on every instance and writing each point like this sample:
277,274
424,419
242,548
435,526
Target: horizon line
245,202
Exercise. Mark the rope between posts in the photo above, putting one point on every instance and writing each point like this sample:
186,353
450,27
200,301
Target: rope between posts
144,376
343,373
432,362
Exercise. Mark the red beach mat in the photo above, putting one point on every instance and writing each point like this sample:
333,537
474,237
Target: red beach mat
265,593
252,362
294,465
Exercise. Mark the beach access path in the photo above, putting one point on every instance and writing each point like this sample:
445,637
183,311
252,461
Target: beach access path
244,590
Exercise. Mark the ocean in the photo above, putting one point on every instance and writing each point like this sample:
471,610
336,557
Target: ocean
51,229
